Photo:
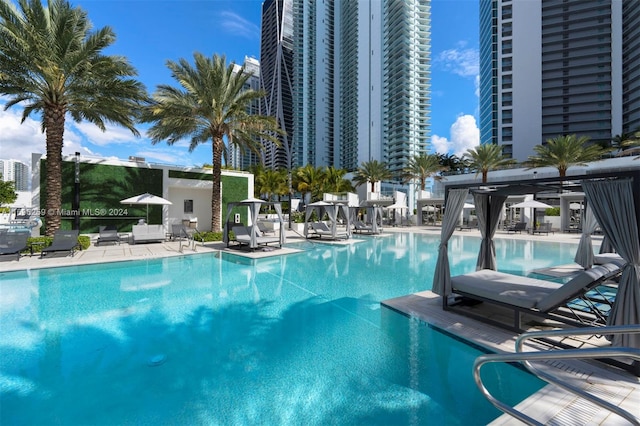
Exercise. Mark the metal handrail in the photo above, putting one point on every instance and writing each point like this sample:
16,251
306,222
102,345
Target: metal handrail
525,357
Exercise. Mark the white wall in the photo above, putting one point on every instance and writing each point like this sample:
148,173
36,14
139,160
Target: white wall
201,206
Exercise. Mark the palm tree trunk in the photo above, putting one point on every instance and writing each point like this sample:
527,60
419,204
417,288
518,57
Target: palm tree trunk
54,122
216,188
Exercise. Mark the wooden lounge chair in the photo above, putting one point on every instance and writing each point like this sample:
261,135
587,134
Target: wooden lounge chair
108,234
12,243
63,241
524,295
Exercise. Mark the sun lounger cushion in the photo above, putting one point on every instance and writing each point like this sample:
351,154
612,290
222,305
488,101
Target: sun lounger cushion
502,287
529,293
602,258
148,233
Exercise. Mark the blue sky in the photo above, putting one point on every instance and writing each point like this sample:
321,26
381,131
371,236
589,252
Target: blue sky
151,32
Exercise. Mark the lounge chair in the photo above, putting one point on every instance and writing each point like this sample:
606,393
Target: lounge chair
63,241
264,230
321,229
543,228
12,243
524,295
518,227
108,234
361,227
472,224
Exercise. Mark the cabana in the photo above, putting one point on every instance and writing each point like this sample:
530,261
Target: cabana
254,205
334,212
373,217
614,199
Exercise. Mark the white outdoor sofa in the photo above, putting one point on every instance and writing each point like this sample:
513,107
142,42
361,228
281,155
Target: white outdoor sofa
147,233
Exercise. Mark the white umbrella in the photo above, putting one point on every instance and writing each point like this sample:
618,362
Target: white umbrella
147,199
575,206
534,204
468,206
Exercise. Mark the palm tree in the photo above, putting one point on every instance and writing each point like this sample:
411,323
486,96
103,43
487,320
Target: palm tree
563,152
422,167
372,171
309,179
272,182
486,157
211,104
51,63
334,180
452,162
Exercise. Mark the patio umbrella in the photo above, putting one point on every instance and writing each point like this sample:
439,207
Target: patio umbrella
147,199
533,204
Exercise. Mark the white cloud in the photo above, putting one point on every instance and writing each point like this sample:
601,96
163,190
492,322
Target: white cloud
237,25
463,62
18,141
464,134
112,135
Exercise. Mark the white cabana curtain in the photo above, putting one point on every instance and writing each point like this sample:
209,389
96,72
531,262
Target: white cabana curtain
614,209
584,253
453,208
488,211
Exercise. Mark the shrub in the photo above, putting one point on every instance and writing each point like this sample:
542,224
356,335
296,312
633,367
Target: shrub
553,211
208,236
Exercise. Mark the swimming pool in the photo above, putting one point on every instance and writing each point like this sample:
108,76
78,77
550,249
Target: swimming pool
295,339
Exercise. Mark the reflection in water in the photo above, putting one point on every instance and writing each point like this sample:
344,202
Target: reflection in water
298,338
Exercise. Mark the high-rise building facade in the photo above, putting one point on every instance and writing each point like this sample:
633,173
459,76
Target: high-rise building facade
276,79
17,172
557,67
235,157
361,81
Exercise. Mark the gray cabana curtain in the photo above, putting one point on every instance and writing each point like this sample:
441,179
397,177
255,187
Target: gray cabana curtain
347,217
605,246
584,254
254,211
613,207
488,211
453,207
283,238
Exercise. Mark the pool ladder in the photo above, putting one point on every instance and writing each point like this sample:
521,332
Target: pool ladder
526,357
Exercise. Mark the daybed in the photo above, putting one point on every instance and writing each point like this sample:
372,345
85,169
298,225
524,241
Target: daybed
361,227
524,295
320,229
147,233
242,235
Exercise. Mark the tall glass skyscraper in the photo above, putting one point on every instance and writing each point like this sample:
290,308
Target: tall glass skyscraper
550,68
362,81
276,79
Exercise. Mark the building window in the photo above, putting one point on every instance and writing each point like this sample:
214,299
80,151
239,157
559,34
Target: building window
188,206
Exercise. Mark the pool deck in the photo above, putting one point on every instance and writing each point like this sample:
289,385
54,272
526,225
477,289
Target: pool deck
551,405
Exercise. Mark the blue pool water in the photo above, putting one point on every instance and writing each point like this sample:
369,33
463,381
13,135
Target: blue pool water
204,339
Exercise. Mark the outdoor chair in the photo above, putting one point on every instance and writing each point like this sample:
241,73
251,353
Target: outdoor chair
543,228
361,227
540,298
264,230
12,243
63,241
108,234
518,227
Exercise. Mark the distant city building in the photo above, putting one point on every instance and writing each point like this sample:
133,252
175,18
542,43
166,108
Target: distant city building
17,172
550,68
236,158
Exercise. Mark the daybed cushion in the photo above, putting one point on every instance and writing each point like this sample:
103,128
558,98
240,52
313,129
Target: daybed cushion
515,290
602,258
